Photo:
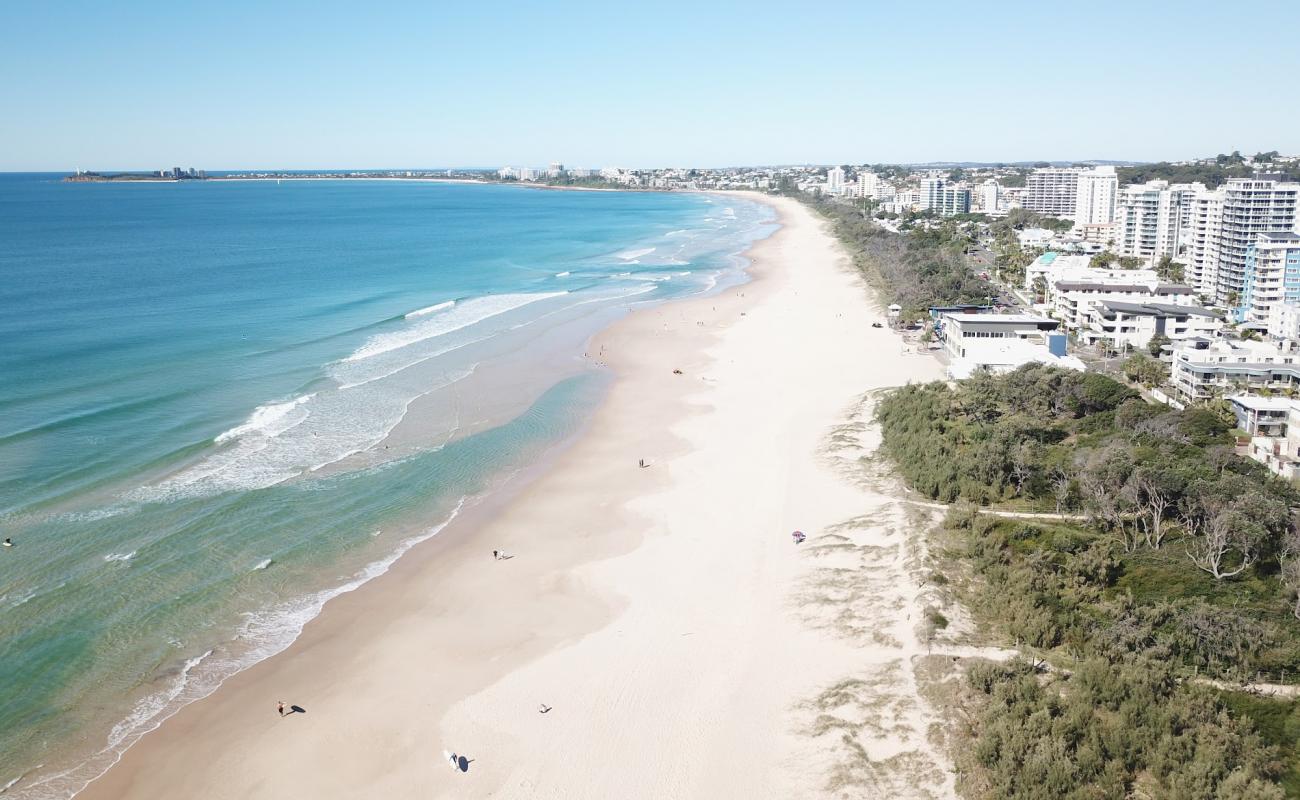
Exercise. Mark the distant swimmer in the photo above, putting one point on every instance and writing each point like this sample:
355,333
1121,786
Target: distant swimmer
8,542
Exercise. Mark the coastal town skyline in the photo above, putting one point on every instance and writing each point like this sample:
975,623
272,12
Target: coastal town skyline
406,85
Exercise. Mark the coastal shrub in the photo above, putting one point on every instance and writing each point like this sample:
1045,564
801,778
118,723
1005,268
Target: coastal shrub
921,268
1109,730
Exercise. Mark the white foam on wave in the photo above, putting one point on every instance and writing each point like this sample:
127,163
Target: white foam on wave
640,276
628,255
21,598
343,423
420,312
263,634
272,419
111,557
11,784
562,274
263,564
462,315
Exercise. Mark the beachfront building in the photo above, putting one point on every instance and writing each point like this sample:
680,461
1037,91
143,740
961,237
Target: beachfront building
1120,326
1000,342
1273,424
1151,218
835,181
944,198
1272,277
1203,369
1094,196
1072,301
1251,206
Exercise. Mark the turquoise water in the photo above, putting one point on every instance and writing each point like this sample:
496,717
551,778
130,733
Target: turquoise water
222,404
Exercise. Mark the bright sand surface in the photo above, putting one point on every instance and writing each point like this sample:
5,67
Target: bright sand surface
682,641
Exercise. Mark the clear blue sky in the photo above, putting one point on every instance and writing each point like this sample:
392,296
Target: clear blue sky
136,84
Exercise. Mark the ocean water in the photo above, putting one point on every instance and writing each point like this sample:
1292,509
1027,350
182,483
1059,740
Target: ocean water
223,403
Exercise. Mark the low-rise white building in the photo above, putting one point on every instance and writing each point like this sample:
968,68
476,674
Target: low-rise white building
1071,301
1034,237
1001,342
1273,424
1131,326
1203,369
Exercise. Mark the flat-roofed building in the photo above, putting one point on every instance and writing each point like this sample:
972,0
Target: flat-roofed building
1204,368
1120,325
1272,277
1273,424
1001,342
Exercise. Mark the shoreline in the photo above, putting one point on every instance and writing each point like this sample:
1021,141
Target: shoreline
374,669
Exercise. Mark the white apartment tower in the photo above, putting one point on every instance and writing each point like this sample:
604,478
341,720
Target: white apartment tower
869,185
1094,199
1152,218
987,196
1202,241
1051,191
835,180
1251,206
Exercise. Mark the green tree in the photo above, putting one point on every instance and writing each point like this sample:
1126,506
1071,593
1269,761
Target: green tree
1144,370
1169,270
1103,259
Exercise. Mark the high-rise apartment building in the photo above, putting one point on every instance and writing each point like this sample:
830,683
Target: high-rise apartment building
1094,196
1151,218
987,196
1051,191
1272,278
870,185
835,180
1085,195
1202,241
1251,206
943,198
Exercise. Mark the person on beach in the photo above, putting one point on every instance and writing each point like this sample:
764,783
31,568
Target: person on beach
496,555
280,707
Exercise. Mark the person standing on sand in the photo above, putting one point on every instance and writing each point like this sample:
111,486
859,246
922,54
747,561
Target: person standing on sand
280,708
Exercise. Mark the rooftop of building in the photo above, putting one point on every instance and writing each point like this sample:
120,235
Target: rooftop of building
1286,237
1158,309
1256,403
1006,319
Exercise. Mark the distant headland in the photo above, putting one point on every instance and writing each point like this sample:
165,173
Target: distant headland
173,174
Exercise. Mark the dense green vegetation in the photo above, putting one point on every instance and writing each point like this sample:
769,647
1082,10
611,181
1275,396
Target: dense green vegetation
1225,166
1109,730
923,267
1011,258
1182,563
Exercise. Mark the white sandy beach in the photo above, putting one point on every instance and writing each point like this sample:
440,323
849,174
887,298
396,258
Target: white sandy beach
687,648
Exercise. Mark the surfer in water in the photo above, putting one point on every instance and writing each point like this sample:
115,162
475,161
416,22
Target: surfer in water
8,542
